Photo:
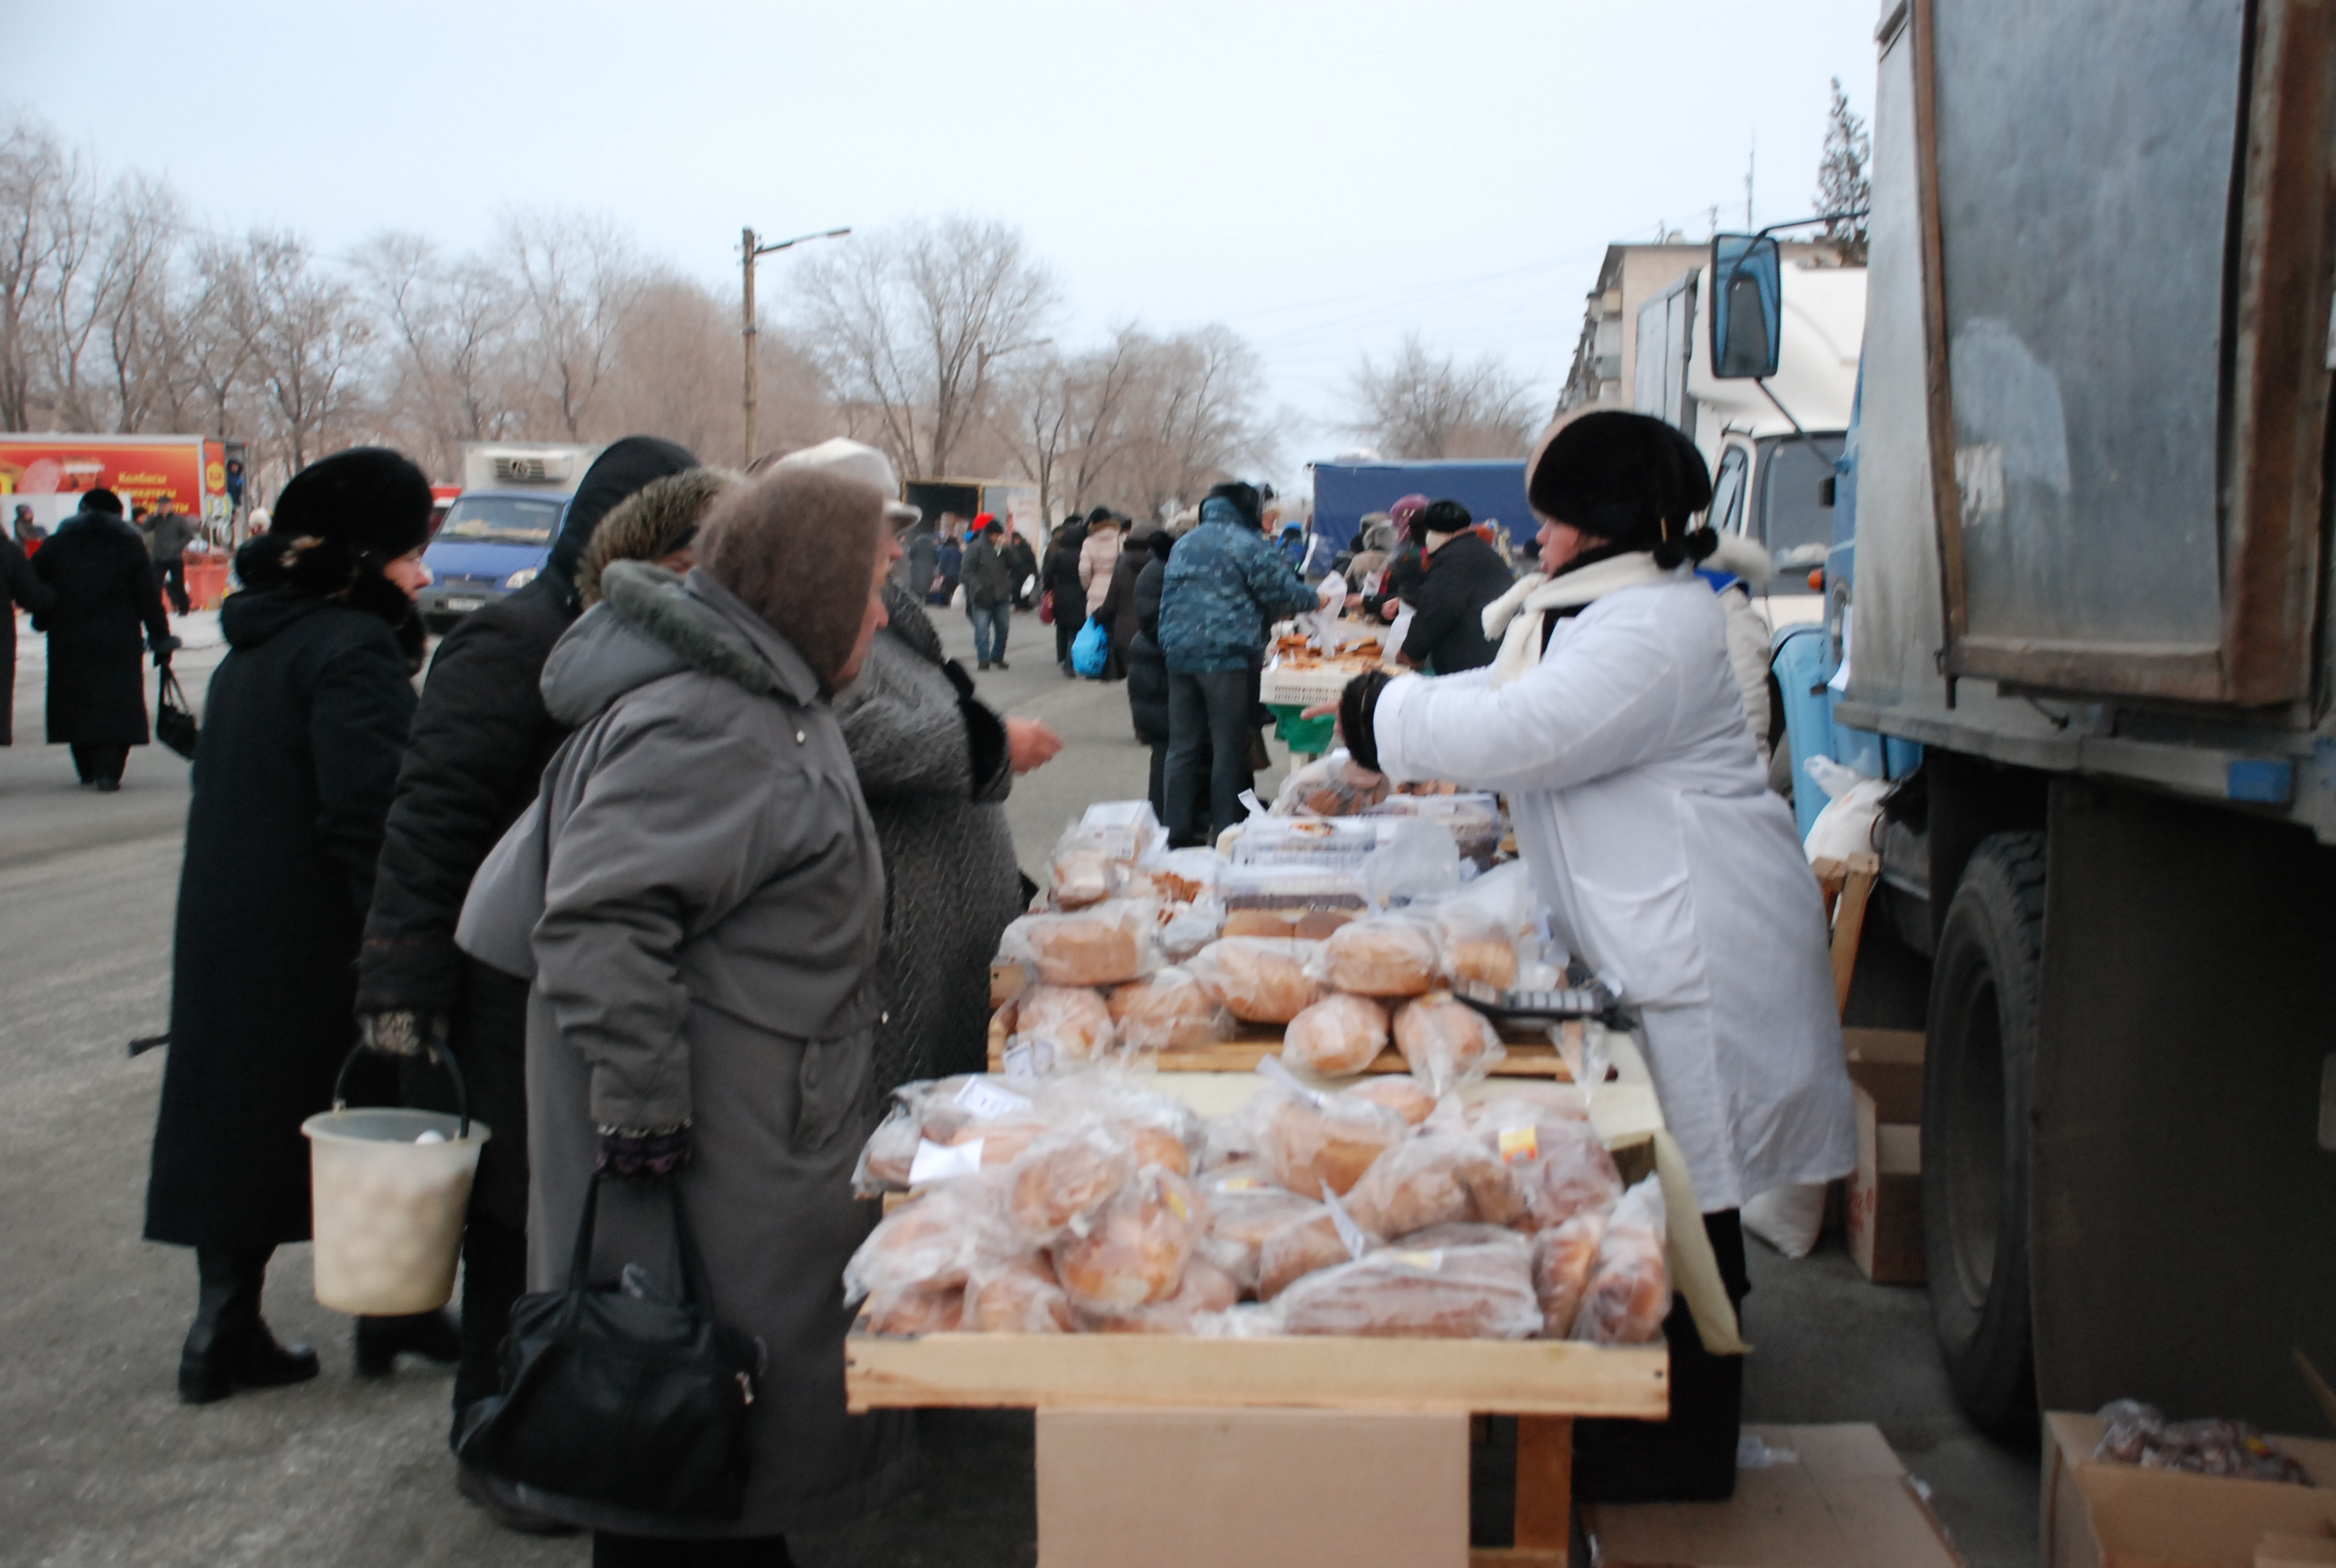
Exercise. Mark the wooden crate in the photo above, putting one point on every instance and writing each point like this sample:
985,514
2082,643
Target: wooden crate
1530,1054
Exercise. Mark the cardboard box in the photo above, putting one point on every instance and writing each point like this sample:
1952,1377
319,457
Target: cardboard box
1252,1489
1841,1501
1883,1218
2107,1515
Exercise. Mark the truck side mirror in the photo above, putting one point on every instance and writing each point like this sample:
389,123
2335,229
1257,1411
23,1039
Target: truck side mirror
1747,300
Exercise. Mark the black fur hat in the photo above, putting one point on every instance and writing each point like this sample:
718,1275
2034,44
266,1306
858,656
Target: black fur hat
1626,477
1439,517
101,500
370,499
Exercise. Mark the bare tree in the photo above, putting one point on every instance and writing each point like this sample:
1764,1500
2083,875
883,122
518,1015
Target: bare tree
1843,185
1424,406
450,332
1194,420
907,324
578,280
39,181
308,339
142,334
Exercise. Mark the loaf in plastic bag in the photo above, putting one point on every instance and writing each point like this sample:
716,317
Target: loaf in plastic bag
920,1307
933,1111
1481,923
1182,876
1065,1178
1244,1209
1563,1167
1480,1292
1072,1020
1189,927
1307,1145
1399,1093
932,1240
1016,1295
1629,1291
1135,1251
1435,1179
1446,1042
1168,1012
1564,1258
1383,956
1204,1290
1105,944
1257,978
1330,787
1338,1034
1297,1248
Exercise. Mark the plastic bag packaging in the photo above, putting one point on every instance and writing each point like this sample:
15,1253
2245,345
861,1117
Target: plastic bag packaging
1103,945
2133,1433
1472,819
1135,1251
1072,1020
1310,1145
1091,648
1435,1179
921,1306
933,1240
1563,1167
1205,1289
1291,890
1168,1012
1016,1295
1383,956
1629,1291
1846,826
1419,860
1468,1233
1182,876
1480,925
1563,1259
1244,1209
1257,978
1788,1218
1483,1292
1083,874
1446,1042
1297,1248
1065,1179
1397,1092
1126,830
1330,787
1338,1034
1189,927
1317,844
944,1113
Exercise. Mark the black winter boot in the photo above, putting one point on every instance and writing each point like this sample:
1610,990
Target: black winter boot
229,1345
381,1341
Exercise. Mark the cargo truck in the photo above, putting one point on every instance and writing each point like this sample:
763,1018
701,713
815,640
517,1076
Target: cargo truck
496,535
2079,584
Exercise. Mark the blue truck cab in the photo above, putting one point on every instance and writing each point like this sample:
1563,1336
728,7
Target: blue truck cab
492,543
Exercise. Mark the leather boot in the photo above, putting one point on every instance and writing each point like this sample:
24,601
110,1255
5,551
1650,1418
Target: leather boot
381,1341
229,1345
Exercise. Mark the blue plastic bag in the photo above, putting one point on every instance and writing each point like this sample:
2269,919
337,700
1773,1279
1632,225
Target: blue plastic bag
1091,649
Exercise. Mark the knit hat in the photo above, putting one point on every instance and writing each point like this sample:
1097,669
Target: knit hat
369,499
650,525
1626,477
856,459
985,523
1400,513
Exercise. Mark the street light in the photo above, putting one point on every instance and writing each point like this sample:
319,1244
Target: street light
748,251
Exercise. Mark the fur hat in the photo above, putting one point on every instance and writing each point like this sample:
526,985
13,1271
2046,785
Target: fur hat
370,500
857,460
651,523
1161,543
800,548
1440,517
1626,477
101,500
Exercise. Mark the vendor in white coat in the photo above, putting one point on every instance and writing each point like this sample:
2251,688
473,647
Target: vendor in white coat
1610,718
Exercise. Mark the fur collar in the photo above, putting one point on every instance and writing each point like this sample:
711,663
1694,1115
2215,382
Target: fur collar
654,601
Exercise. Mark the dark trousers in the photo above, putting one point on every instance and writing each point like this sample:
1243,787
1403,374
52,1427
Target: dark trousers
1207,712
173,571
989,624
99,763
1691,1457
613,1550
494,1277
1070,615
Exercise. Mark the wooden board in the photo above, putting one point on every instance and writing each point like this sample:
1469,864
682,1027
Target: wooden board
1087,1372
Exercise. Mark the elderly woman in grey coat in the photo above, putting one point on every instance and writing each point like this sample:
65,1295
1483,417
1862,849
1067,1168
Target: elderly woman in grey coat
703,1010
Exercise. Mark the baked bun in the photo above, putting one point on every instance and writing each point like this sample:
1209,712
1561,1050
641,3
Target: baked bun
1383,957
1167,1011
1074,1020
1446,1042
1306,1147
1135,1251
1338,1034
1396,1092
1256,978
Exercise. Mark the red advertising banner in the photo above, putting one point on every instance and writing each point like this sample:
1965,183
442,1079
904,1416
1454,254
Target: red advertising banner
47,471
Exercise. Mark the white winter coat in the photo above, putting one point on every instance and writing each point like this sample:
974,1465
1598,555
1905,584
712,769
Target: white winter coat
1668,866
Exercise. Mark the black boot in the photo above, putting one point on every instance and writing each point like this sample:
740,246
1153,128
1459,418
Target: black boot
229,1347
381,1341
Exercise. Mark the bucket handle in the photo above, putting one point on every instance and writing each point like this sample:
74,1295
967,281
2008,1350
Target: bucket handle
436,1053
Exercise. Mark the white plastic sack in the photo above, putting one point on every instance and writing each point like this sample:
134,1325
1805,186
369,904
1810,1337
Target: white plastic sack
1788,1218
1846,826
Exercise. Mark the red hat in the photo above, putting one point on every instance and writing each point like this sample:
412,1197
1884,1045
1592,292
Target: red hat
985,521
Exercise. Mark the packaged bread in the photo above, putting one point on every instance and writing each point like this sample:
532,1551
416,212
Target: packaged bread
1567,1171
1016,1295
1330,787
1135,1251
1186,928
1167,1011
1488,960
1257,978
917,1307
1564,1258
1467,1292
1288,925
1338,1034
933,1111
1297,1248
1310,1143
1467,1233
1104,944
934,1240
1065,1178
1073,1021
1244,1209
1082,875
1383,956
1446,1042
1480,924
1205,1289
1399,1093
1435,1179
1629,1289
1182,876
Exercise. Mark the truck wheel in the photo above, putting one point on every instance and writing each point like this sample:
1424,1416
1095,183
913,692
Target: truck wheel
1978,1082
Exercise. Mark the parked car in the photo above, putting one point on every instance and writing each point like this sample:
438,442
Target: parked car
493,542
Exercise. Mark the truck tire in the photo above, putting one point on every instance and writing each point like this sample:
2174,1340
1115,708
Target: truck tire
1978,1084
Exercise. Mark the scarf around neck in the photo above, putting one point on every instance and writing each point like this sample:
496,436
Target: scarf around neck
1520,618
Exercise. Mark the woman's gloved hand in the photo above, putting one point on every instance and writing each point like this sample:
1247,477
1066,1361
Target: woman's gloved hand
400,1034
643,1154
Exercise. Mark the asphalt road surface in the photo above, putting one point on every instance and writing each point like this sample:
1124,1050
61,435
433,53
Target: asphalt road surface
100,1464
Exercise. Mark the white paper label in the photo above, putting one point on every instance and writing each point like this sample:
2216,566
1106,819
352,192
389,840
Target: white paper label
1357,1239
943,1161
1430,1262
986,1102
1030,1059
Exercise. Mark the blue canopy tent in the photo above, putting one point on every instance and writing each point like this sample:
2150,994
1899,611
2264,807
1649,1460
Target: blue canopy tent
1344,492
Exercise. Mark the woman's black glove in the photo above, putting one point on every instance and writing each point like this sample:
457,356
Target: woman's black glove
643,1154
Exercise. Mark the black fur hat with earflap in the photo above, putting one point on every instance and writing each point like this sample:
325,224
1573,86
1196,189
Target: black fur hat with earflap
337,523
1626,477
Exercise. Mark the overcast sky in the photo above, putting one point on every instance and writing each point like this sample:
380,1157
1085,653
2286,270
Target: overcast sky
1322,178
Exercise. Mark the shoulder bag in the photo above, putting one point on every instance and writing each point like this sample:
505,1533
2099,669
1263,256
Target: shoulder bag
174,722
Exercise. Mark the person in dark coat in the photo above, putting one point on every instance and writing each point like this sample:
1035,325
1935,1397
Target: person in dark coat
1463,573
479,743
1147,666
1405,571
1022,562
989,593
168,531
302,731
1117,610
19,585
948,561
106,594
919,562
1062,580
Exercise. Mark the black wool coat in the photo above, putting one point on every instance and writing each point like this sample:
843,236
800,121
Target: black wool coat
1147,666
107,594
19,585
1118,606
1447,627
302,729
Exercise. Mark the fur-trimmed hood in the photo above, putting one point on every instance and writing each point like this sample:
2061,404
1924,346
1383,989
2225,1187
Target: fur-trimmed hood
650,624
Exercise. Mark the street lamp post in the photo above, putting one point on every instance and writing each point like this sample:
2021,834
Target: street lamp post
748,251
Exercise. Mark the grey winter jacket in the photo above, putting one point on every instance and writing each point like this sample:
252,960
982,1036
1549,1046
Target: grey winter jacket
712,903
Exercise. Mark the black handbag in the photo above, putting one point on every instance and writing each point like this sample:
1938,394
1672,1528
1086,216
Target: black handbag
174,722
619,1396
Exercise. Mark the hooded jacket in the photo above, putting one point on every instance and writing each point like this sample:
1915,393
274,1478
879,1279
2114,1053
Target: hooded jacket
1225,585
1448,635
713,899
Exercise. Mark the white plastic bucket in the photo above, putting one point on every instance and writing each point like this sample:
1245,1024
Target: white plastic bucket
388,1210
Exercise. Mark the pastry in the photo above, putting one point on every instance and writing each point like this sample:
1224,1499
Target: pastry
1256,978
1167,1011
1338,1034
1386,956
1446,1042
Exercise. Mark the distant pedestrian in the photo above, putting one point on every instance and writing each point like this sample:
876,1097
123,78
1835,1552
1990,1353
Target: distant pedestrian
989,593
1462,574
305,722
1147,666
30,534
1292,543
1225,586
948,567
919,562
168,531
1062,580
106,594
1098,556
1022,562
1117,610
20,585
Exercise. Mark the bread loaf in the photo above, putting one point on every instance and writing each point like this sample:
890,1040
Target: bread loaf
920,1307
1256,978
1487,960
1018,1295
1483,1292
1296,1249
1205,1289
1135,1251
1629,1291
1306,1147
1082,875
1338,1034
1399,1093
1167,1011
1074,1021
934,1240
1435,1179
1104,944
1563,1259
1384,955
1065,1178
1244,1211
1446,1042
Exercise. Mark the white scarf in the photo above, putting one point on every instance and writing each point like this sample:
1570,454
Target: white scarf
1539,595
